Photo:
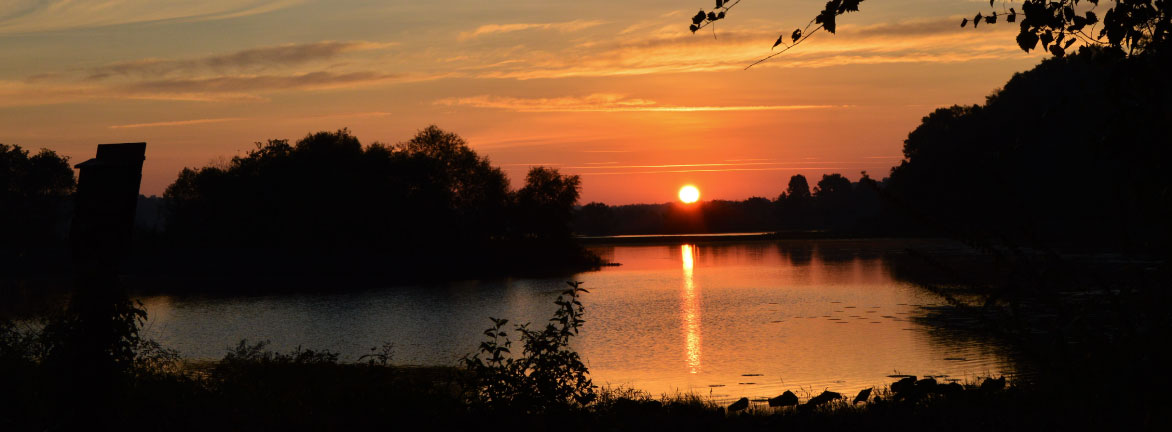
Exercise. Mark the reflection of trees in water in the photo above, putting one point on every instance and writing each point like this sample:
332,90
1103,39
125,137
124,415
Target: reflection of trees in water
798,253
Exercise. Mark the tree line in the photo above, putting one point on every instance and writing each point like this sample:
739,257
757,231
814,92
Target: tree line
834,204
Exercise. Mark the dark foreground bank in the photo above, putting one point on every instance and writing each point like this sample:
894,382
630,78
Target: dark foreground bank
256,390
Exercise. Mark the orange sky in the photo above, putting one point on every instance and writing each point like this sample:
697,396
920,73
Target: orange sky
618,92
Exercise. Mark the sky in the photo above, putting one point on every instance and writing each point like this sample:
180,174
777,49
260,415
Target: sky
620,93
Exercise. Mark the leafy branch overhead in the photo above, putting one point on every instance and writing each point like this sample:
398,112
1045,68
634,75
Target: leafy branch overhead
1132,26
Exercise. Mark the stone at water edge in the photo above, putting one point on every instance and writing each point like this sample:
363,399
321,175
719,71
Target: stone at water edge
823,398
864,394
785,399
740,404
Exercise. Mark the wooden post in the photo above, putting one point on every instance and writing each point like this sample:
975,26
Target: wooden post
104,321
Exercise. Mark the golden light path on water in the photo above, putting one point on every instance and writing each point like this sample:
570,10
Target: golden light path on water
691,311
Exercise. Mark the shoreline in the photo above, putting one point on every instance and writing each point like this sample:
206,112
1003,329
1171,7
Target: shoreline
726,237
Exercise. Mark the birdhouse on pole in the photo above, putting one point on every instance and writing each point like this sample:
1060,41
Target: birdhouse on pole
107,192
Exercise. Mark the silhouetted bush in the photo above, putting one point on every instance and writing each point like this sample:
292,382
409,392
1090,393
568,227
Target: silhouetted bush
547,375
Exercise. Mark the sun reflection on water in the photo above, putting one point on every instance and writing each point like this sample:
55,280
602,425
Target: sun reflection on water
691,311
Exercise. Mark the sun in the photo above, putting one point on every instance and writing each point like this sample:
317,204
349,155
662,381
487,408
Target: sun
689,194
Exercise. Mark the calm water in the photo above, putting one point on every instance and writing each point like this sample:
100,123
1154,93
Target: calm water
722,320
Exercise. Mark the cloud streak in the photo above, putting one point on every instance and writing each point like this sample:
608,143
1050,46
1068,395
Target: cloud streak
603,102
248,59
238,76
493,29
176,123
28,16
243,84
246,88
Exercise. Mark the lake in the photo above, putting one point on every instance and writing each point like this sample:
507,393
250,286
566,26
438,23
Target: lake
721,319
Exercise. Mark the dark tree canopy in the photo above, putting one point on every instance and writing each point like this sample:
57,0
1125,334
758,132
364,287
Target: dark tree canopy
795,206
798,188
327,190
1075,150
546,203
832,186
34,193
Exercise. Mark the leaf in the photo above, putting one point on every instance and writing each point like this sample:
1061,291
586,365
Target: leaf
976,20
990,3
1027,40
693,28
964,22
1057,50
1069,43
1092,18
699,17
711,16
797,34
719,3
1012,16
828,23
720,15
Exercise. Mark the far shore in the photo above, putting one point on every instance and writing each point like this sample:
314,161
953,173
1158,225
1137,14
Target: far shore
719,237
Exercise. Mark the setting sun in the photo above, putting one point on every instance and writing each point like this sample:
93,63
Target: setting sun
689,194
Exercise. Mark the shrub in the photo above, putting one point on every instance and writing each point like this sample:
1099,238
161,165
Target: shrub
547,375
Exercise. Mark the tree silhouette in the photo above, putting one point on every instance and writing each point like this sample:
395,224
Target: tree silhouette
34,192
327,190
446,173
546,203
795,206
1131,26
1070,152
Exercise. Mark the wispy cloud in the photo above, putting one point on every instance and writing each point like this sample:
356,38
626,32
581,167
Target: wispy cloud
350,115
603,102
244,88
248,59
26,16
176,123
489,29
241,84
243,75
